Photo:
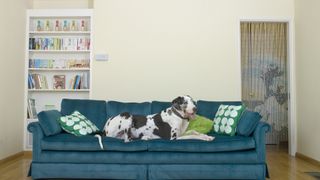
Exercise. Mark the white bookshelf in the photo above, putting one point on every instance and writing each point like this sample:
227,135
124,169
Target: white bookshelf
51,26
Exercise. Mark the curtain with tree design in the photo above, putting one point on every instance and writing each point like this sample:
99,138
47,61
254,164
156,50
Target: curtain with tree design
264,74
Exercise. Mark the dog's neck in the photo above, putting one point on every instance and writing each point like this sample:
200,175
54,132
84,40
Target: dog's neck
176,112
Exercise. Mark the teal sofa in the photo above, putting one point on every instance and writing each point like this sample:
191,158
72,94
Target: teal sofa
57,154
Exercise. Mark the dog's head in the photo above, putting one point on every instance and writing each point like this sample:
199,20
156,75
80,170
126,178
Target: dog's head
185,106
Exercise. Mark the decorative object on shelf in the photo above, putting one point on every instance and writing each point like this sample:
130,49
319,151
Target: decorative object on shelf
59,82
47,27
82,26
73,25
65,26
57,28
39,25
48,107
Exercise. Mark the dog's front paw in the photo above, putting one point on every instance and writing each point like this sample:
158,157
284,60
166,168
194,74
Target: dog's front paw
127,140
145,138
208,138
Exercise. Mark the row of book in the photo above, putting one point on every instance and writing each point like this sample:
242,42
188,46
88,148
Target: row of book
68,43
58,63
39,81
80,81
31,109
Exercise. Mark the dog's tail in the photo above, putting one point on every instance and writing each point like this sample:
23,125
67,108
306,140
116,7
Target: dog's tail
100,140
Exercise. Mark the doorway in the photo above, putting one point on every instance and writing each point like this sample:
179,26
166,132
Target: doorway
264,75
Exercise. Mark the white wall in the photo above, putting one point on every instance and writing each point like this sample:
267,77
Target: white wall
308,86
163,48
12,35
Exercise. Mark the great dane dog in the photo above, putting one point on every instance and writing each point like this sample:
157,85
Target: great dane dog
170,124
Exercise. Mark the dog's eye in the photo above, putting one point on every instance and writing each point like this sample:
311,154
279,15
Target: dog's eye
185,102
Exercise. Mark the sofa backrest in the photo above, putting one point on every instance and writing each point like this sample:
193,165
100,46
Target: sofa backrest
209,108
99,111
94,110
158,106
114,108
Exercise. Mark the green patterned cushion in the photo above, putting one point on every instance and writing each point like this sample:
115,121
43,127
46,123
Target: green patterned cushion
77,124
227,118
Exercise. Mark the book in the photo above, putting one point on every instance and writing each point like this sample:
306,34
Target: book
59,82
31,109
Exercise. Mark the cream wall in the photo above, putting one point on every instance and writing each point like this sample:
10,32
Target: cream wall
56,4
159,49
12,35
308,73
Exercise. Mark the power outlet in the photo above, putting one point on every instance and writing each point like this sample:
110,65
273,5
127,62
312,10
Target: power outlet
101,57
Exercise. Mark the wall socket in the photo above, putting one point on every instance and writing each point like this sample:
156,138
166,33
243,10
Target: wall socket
101,57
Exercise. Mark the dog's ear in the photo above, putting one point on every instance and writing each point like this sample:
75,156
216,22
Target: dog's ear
177,102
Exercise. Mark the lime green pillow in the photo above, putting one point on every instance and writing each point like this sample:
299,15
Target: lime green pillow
200,124
227,118
77,124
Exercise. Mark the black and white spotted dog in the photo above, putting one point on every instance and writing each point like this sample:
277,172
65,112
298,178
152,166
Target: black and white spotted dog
170,124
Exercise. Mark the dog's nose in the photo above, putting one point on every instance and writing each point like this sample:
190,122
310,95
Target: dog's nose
194,109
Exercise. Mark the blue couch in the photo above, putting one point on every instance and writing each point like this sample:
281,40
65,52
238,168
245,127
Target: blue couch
65,156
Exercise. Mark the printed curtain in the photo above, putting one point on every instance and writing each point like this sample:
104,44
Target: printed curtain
264,74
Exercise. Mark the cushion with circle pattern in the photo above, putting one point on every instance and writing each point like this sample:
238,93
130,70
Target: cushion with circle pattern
77,124
227,118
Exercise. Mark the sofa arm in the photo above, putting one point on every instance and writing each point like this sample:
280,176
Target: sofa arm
37,135
259,137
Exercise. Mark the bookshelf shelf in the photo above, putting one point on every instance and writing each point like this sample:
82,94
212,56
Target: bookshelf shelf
60,51
58,90
58,60
53,69
59,32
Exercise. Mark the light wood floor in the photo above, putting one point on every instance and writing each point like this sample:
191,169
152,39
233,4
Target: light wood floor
281,167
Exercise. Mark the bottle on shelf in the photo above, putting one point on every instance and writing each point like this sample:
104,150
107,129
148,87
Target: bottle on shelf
73,25
82,26
47,27
57,26
65,26
38,25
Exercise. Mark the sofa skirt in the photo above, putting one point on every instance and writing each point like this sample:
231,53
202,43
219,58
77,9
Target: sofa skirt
148,172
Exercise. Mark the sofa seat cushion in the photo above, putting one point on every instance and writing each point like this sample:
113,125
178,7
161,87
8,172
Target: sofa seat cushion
116,157
221,143
69,142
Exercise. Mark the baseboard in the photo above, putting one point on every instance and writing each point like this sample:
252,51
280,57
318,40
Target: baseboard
12,157
27,154
22,154
308,159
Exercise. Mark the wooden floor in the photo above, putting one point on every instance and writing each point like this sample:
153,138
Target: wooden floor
281,167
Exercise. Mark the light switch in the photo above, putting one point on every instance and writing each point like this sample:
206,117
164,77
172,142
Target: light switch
101,57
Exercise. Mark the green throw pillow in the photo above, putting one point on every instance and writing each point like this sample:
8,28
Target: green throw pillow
77,124
227,118
200,124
